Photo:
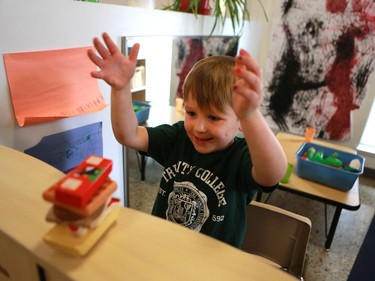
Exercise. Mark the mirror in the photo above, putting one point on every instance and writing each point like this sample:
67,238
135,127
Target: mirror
166,60
156,56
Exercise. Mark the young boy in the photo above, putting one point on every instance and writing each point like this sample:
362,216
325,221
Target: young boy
210,175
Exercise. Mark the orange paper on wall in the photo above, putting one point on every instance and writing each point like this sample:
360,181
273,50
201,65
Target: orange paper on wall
50,85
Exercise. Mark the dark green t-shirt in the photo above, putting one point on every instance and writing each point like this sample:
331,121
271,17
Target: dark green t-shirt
204,192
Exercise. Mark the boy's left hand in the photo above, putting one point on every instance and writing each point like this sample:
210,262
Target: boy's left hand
247,90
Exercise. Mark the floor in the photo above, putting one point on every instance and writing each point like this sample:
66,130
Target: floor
321,265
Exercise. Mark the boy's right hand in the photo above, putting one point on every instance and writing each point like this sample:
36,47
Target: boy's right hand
115,68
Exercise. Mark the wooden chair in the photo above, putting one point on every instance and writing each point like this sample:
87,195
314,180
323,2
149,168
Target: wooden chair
277,236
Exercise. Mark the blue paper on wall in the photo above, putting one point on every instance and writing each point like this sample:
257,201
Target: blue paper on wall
65,150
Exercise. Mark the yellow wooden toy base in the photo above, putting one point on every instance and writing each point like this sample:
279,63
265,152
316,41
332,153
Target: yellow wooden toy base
60,237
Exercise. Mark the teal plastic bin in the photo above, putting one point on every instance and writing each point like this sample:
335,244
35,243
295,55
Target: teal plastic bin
142,111
334,177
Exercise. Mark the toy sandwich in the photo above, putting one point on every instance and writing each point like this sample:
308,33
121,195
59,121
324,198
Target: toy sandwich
83,208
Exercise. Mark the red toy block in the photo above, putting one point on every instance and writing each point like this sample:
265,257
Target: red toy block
80,184
99,198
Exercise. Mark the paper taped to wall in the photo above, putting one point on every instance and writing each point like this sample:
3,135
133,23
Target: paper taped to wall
50,85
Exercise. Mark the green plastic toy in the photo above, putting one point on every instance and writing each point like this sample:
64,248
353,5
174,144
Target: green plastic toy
333,160
318,156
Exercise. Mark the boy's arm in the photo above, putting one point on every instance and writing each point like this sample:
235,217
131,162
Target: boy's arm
117,70
124,122
267,155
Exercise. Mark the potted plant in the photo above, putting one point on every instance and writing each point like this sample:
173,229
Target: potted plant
235,9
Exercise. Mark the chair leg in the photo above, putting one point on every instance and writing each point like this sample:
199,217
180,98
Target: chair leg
142,165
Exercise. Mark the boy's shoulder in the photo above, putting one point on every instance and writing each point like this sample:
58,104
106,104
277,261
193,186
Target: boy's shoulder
167,132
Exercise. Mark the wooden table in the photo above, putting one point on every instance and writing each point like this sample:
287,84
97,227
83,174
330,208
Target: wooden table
137,247
349,200
164,114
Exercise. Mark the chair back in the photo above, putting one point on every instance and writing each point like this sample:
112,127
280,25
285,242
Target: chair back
278,235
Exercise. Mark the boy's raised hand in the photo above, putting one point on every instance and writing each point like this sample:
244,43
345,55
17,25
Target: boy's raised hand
115,68
247,89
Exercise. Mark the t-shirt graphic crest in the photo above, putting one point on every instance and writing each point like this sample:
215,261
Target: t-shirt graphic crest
187,206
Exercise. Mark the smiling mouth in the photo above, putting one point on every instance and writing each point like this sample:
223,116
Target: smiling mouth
202,140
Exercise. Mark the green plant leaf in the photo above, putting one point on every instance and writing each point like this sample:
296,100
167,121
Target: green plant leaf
236,10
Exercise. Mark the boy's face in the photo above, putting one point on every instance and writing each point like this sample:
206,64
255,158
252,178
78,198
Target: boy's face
210,130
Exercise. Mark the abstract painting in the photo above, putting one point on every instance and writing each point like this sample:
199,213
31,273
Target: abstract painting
322,54
189,50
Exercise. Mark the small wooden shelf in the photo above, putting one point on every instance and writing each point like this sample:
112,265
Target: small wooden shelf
139,81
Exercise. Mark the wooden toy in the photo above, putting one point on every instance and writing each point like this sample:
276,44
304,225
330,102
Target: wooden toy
61,238
83,208
79,185
98,199
76,224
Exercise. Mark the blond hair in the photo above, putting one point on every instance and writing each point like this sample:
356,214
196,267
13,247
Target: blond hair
210,82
